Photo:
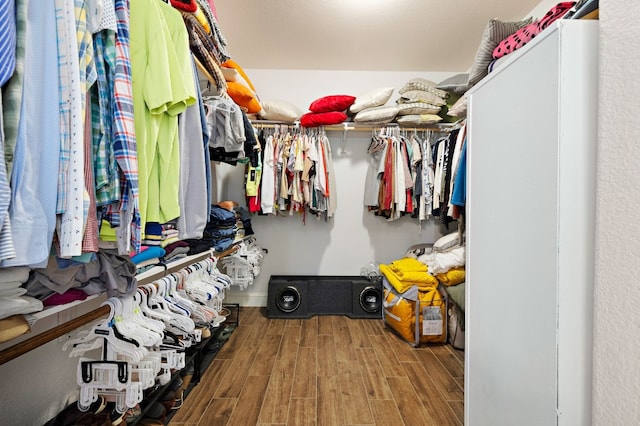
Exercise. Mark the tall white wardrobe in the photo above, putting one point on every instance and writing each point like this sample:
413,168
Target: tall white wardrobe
530,233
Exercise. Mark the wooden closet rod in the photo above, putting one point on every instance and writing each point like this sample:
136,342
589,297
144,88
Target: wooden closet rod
23,347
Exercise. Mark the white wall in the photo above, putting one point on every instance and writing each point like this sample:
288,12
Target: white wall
542,8
617,295
355,237
301,87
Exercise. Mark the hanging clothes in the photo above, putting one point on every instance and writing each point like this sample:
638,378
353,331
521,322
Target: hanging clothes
297,174
34,177
163,88
194,207
410,175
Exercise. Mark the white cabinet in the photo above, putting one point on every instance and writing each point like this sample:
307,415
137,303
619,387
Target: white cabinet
530,233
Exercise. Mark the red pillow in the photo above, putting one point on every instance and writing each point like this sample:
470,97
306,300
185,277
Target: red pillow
332,103
313,119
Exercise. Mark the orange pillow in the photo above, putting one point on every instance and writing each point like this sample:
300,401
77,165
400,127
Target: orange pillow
230,63
244,97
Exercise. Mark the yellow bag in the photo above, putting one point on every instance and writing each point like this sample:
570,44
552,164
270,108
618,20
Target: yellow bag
418,316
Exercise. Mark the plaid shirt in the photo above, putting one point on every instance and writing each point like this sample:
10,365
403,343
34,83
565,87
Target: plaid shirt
124,140
204,50
107,182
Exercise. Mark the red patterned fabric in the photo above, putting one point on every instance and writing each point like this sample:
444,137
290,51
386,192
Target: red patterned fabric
525,35
185,5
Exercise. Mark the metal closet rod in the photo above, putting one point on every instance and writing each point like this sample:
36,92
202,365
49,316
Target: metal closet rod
352,126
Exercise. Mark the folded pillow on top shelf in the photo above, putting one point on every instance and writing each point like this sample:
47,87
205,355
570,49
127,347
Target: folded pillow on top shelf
315,119
327,110
423,85
278,110
417,108
494,33
370,99
377,115
332,103
420,102
418,120
457,84
421,96
458,109
527,33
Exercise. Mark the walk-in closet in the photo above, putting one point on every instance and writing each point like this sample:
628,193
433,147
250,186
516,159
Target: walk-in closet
318,213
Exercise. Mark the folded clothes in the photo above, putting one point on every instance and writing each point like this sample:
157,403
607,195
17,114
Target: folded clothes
168,249
221,233
19,305
148,262
198,246
223,244
109,272
408,279
407,264
13,277
168,241
170,233
152,229
221,215
439,263
151,252
452,276
68,296
12,292
177,252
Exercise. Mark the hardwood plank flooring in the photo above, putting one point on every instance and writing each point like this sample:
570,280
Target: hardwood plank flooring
325,370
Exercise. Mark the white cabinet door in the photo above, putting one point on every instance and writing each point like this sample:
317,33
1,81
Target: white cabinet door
530,183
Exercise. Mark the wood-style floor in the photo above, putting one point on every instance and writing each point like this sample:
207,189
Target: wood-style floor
326,370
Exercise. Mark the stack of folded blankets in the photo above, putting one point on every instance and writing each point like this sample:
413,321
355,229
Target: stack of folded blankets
221,228
446,260
13,301
412,299
407,272
161,244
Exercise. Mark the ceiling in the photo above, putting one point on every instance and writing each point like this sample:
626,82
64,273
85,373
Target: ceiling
371,35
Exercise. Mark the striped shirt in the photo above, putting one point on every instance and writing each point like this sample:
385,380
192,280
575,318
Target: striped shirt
12,91
7,40
7,250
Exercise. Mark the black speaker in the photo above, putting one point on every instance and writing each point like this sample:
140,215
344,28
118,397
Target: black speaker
367,299
303,296
288,298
